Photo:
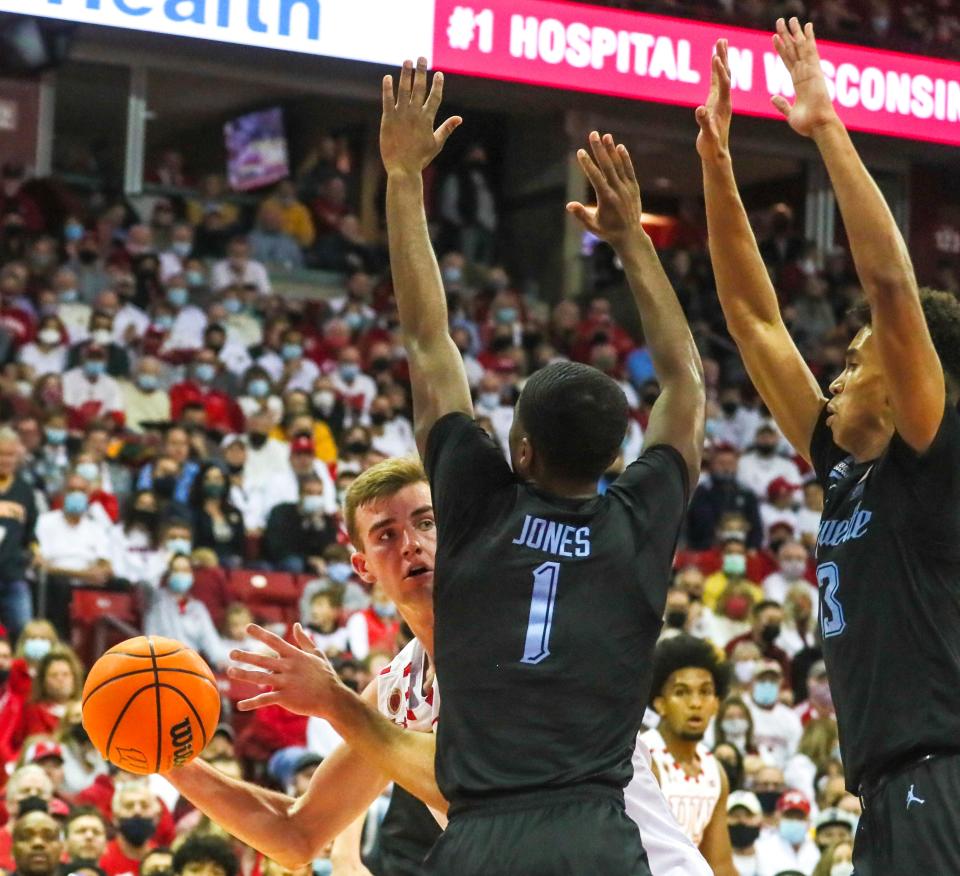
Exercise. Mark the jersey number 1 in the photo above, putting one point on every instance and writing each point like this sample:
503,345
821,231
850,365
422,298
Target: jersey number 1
536,649
828,576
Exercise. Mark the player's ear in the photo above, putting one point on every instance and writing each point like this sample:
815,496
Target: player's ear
359,562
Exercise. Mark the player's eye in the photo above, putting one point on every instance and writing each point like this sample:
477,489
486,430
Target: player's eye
426,524
385,535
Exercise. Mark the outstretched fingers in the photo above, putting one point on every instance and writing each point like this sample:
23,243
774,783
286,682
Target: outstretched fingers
435,98
251,676
259,701
389,97
253,658
271,640
601,154
406,84
442,134
419,92
593,173
626,164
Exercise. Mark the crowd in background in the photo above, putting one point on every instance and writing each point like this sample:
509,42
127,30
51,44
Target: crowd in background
175,435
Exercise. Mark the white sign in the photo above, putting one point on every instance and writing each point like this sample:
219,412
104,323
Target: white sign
378,31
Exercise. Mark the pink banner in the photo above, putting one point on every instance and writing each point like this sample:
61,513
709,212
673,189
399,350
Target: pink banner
655,58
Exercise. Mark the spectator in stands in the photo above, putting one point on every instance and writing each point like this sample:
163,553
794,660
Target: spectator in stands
101,335
37,844
777,513
174,258
296,371
836,860
790,846
217,524
295,218
47,354
468,206
376,627
239,268
357,389
718,494
205,855
185,332
732,572
297,534
734,726
799,620
71,547
58,683
744,819
767,624
241,323
82,763
86,834
324,624
769,786
177,615
814,318
738,424
232,355
270,243
221,412
299,422
172,484
819,702
676,616
89,392
144,401
330,206
776,729
18,520
47,755
390,434
137,556
265,455
258,395
818,746
762,464
36,640
135,811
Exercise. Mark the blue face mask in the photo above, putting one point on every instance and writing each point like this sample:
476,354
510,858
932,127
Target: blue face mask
384,610
232,305
507,315
205,371
195,278
258,387
72,232
793,830
68,296
312,504
354,321
765,693
340,573
148,382
182,248
56,437
88,471
164,322
75,502
180,582
94,368
179,546
349,371
291,352
452,276
36,649
177,296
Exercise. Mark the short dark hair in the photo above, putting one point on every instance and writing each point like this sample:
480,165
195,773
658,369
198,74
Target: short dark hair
202,848
764,604
688,652
86,812
941,310
575,417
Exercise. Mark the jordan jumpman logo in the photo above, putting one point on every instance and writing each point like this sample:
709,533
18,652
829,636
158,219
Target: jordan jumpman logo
913,798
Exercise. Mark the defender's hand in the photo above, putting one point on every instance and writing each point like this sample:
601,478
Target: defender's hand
616,217
713,117
408,141
812,109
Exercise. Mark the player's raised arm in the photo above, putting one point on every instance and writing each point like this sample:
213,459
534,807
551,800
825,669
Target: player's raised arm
749,302
914,374
408,143
677,417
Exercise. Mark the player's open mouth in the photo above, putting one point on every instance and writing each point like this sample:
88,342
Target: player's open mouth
417,571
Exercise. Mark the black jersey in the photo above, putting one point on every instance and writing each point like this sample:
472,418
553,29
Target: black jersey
888,554
407,833
547,611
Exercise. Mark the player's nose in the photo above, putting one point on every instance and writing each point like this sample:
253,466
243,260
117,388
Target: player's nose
411,542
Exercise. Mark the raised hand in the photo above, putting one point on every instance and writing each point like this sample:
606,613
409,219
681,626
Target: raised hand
714,116
616,217
302,679
812,108
408,141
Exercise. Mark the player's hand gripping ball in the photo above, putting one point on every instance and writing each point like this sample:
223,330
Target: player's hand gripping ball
150,704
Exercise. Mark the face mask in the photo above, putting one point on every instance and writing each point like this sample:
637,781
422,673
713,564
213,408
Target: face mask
147,519
56,437
723,477
87,256
737,608
452,276
358,447
36,649
294,351
340,573
381,363
765,693
102,337
33,803
180,582
766,449
354,321
507,315
137,829
257,440
258,387
770,633
842,869
324,399
768,800
213,491
182,248
793,831
744,670
88,471
72,232
232,305
79,734
378,418
793,570
489,399
204,371
676,619
94,368
312,504
349,371
384,610
4,675
742,836
178,546
164,322
194,278
69,296
49,336
164,486
734,565
148,382
75,503
735,727
729,408
177,296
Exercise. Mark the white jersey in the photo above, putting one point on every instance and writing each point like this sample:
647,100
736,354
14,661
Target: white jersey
692,799
400,693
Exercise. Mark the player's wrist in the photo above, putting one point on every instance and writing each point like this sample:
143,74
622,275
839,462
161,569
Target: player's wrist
830,126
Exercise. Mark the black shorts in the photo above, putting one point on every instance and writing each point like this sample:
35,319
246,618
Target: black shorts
559,833
911,821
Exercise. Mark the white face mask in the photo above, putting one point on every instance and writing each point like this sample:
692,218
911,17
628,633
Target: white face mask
49,336
102,337
844,869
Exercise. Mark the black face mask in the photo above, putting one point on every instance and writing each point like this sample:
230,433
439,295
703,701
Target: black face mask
257,440
79,733
770,633
501,345
164,486
729,408
768,800
742,836
676,619
378,418
766,449
234,469
381,363
137,829
147,519
32,804
4,675
86,257
358,447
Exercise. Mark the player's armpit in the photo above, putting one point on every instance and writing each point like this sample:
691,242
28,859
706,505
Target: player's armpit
715,845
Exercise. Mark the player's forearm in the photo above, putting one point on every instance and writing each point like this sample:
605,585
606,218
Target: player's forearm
676,359
743,286
256,816
405,756
345,853
879,251
421,300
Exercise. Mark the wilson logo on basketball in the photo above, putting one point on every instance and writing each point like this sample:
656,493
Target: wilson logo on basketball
181,736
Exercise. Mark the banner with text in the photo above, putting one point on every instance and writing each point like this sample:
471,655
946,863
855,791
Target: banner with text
651,57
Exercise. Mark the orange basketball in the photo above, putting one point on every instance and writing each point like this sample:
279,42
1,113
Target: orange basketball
150,704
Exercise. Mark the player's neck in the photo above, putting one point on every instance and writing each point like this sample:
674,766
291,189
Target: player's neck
563,488
419,617
683,751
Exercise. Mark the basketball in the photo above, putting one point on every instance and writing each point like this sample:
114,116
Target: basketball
150,704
